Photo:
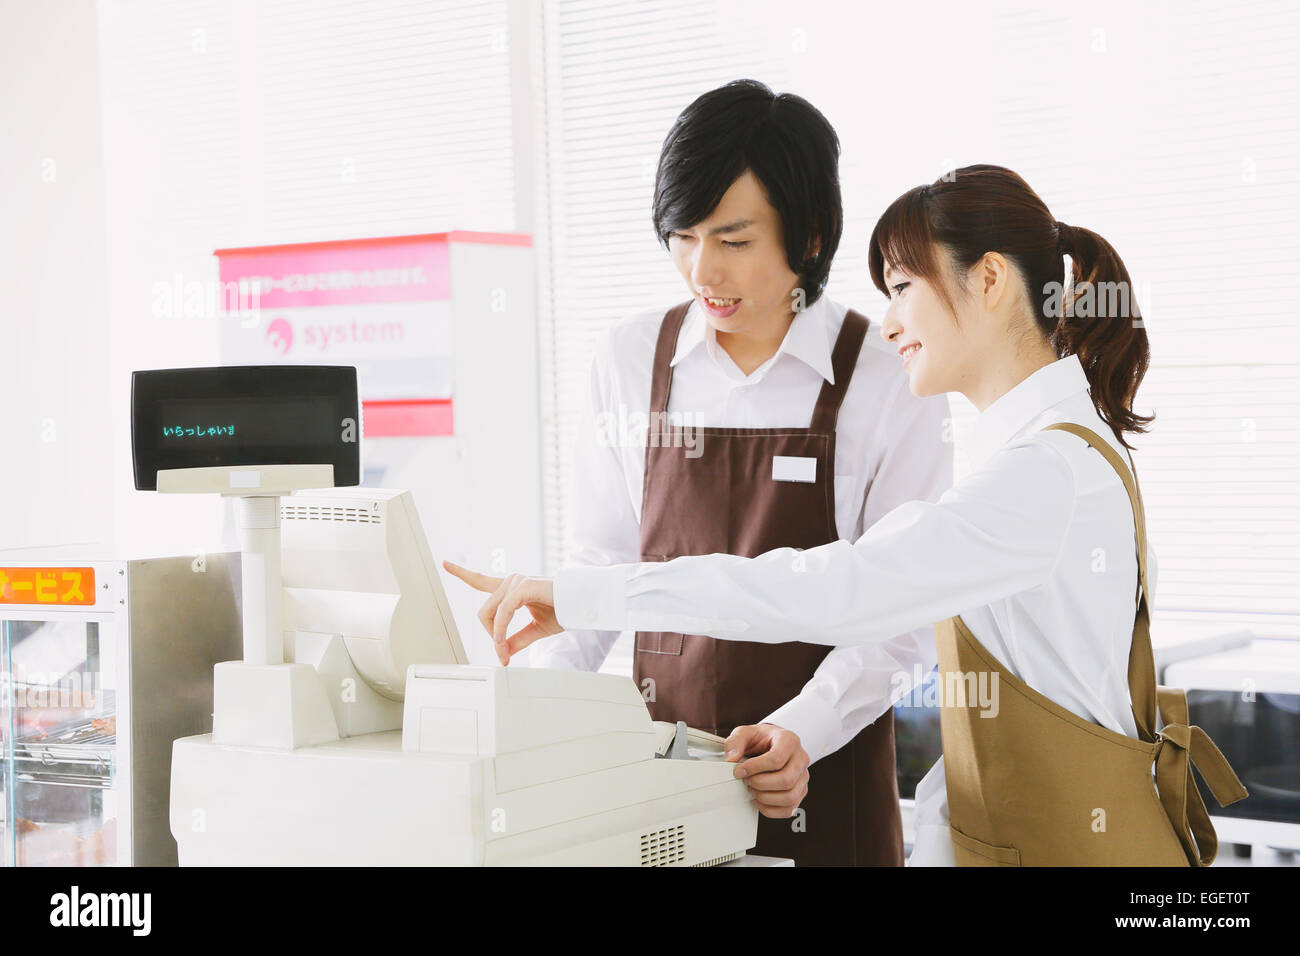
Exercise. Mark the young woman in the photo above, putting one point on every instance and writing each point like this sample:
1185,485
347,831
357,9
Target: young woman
1034,565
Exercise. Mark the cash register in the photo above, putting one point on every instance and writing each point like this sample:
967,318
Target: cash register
353,731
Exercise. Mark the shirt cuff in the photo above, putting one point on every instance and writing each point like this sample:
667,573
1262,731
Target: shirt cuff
816,722
592,598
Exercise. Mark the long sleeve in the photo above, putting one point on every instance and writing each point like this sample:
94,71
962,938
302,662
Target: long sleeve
854,686
605,530
996,533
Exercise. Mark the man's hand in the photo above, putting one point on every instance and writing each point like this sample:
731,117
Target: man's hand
508,595
777,776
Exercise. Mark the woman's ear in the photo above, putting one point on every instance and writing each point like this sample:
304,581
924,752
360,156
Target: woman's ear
993,275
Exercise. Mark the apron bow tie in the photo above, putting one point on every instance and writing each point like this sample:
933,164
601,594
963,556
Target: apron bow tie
1181,747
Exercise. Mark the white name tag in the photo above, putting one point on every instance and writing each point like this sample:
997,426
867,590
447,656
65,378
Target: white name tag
788,468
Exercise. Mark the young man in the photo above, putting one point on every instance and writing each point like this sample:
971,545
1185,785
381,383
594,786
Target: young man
772,424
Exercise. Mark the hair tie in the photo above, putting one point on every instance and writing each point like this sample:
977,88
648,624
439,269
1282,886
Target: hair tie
1064,238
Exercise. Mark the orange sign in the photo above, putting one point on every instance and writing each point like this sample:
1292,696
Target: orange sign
47,586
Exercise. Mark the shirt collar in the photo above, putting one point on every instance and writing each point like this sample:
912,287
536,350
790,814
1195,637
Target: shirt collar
1017,408
810,339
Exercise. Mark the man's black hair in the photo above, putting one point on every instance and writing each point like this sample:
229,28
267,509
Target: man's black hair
787,144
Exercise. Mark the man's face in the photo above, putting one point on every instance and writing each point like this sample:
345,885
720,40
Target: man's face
737,255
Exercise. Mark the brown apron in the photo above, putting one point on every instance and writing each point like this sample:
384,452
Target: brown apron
1038,785
721,497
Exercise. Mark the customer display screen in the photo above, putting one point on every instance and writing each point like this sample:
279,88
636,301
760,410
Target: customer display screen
245,415
262,423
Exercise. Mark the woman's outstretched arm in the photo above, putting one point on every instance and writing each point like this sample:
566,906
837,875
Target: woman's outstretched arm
997,532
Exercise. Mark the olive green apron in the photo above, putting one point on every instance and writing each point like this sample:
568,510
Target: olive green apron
1038,785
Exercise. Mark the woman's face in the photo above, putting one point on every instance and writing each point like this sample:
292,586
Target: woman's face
737,255
918,315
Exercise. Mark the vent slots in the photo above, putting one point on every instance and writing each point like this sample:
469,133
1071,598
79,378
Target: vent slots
664,847
295,512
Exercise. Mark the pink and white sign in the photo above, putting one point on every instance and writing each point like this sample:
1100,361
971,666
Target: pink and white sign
383,305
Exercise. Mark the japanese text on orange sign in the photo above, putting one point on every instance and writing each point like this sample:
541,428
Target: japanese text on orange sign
47,586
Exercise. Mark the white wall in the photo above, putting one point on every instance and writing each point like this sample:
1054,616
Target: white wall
57,459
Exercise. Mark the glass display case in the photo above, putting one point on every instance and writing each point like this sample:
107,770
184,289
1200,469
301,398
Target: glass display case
60,736
102,665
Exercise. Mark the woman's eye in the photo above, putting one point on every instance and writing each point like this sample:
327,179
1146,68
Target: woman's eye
899,288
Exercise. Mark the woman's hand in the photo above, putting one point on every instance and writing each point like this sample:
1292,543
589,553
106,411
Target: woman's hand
508,595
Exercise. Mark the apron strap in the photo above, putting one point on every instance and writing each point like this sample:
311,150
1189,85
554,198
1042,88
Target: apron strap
1182,747
662,375
844,359
1141,659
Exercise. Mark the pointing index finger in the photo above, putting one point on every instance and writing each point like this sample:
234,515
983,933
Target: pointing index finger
479,582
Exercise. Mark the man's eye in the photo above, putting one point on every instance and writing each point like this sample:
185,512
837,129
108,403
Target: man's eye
735,245
677,235
899,288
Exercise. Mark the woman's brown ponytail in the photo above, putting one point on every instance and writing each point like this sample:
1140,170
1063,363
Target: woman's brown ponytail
980,209
1100,322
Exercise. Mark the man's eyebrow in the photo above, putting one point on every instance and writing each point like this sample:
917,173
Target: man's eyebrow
736,226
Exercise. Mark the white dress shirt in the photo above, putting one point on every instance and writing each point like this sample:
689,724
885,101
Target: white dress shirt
1035,548
889,449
